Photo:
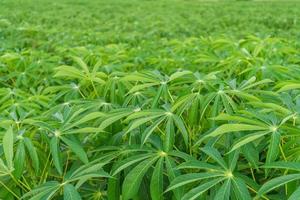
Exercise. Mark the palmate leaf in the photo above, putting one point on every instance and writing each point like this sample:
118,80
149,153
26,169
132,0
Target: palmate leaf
158,117
123,96
165,162
224,171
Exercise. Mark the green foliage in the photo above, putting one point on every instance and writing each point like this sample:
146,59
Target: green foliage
147,99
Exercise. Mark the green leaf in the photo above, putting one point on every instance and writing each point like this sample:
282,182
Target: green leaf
44,191
172,174
179,74
141,87
157,97
88,117
82,64
240,189
123,164
199,190
233,159
289,86
32,153
149,130
170,135
215,155
236,118
70,193
68,72
229,128
192,177
19,161
277,182
224,192
138,122
54,147
247,139
251,154
133,180
195,164
83,130
113,188
8,147
295,195
3,169
111,118
273,147
76,148
283,165
180,125
156,184
93,169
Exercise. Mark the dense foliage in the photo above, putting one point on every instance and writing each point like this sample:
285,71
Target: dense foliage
149,100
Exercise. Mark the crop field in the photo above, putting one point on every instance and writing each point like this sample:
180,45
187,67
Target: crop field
149,100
